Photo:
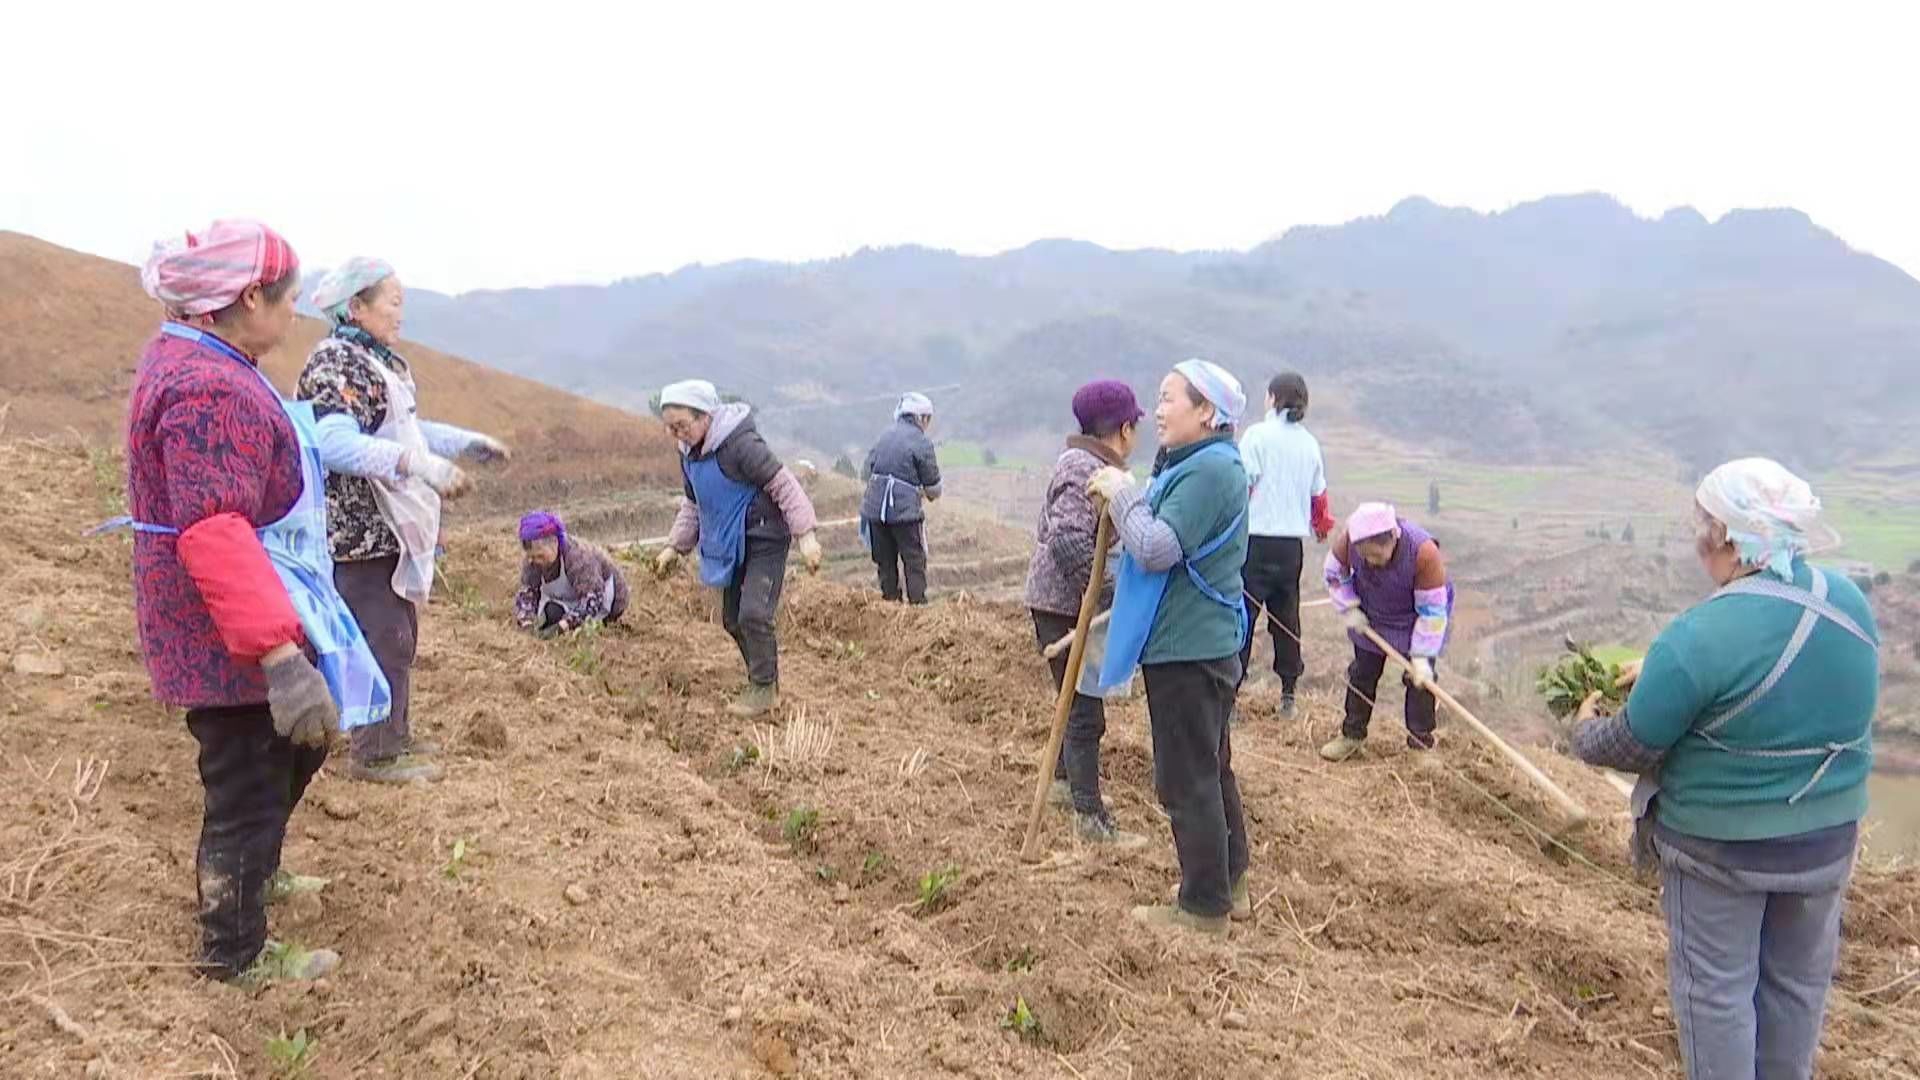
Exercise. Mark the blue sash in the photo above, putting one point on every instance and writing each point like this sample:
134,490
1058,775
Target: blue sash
297,547
1138,591
723,504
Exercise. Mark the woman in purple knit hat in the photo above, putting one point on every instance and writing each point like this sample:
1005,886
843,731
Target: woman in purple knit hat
566,582
1109,419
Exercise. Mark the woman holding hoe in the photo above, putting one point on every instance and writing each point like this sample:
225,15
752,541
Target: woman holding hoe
1178,614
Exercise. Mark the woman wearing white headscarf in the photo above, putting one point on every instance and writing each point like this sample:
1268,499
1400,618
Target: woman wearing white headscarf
387,471
1750,723
902,474
1179,614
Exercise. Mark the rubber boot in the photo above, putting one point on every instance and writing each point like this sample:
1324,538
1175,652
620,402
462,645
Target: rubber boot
1242,899
758,699
1172,916
1341,749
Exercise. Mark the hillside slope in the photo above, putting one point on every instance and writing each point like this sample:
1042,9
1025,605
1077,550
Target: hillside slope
75,325
651,888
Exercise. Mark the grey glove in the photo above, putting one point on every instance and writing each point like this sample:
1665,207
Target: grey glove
302,706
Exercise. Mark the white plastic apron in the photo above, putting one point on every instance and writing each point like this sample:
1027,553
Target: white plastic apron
412,509
561,591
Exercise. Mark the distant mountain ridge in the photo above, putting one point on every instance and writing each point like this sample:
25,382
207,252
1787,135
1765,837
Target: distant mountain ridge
1542,332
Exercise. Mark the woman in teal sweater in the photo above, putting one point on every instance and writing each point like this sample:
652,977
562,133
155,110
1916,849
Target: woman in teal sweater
1750,723
1177,613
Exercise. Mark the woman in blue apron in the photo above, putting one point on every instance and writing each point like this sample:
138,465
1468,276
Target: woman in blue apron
239,622
1750,723
743,509
1178,615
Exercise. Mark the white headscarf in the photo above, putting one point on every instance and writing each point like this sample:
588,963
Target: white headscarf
1217,385
1771,515
913,404
691,394
346,281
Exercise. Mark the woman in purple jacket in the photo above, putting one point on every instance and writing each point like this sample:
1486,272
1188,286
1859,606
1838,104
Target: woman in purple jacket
1109,418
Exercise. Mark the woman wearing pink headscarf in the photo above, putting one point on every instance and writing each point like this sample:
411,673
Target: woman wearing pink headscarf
212,458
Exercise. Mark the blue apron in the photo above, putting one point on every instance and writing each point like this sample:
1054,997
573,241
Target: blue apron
297,547
723,503
1138,592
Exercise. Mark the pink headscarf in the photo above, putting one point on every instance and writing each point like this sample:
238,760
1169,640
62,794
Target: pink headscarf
207,271
1370,520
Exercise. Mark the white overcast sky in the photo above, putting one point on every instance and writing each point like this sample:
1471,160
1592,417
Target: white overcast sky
481,145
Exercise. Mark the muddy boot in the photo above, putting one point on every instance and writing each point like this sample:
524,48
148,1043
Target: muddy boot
758,699
290,963
1173,916
1242,899
284,885
1287,706
401,769
1100,829
1341,749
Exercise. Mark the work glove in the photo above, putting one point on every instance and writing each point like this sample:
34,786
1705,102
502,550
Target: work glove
443,476
1108,482
485,449
810,552
1355,619
1422,673
664,562
302,706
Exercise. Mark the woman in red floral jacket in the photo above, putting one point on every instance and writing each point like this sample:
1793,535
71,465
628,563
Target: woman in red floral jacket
211,456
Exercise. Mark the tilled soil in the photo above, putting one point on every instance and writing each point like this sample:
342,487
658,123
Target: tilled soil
652,888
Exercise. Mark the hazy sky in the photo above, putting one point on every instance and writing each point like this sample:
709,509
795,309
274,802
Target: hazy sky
485,145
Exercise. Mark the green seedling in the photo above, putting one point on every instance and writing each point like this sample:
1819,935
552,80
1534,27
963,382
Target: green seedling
743,755
583,653
825,873
1568,683
874,863
935,889
458,863
1022,960
1021,1021
291,1054
800,825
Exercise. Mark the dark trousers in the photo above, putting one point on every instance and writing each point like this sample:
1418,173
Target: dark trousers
1187,708
1272,574
1079,761
1363,678
896,547
748,605
552,612
253,779
391,625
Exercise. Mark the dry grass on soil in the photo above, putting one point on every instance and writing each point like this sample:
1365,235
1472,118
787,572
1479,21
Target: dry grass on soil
648,887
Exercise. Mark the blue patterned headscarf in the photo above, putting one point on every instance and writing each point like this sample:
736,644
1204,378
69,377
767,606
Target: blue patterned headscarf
1217,385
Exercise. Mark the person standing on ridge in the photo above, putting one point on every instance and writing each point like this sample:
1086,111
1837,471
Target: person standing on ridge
743,509
1387,572
387,471
1179,613
1057,575
1750,723
1288,502
233,591
901,471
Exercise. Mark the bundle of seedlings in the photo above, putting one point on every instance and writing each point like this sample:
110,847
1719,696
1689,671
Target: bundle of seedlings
1577,675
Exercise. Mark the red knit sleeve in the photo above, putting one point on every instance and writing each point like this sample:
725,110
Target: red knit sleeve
1323,522
238,584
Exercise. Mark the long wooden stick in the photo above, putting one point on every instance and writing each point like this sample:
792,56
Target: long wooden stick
1574,811
1076,657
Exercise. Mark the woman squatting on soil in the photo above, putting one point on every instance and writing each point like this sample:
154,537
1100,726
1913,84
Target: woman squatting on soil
742,508
387,472
1057,574
1179,614
566,582
1750,724
238,618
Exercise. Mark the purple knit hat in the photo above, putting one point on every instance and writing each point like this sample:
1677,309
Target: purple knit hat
540,523
1105,403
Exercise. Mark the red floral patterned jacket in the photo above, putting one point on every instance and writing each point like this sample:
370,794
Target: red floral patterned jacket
209,452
